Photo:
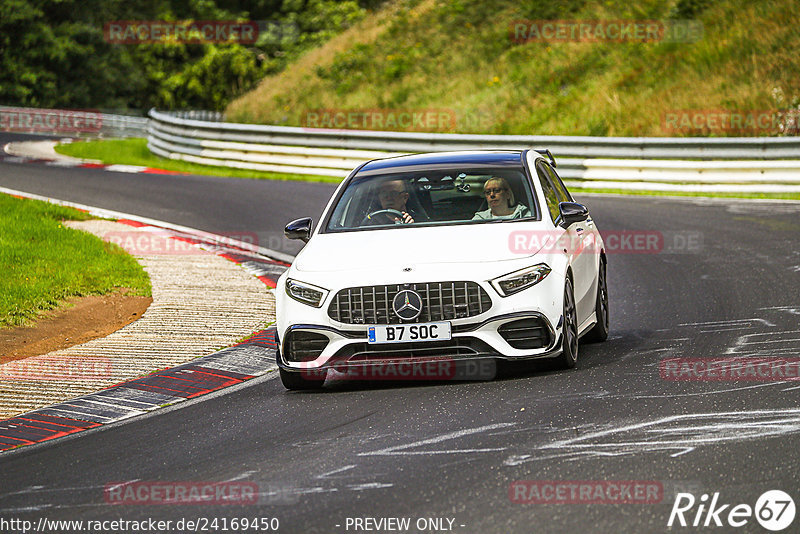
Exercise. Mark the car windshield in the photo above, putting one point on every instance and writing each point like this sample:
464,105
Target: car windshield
469,196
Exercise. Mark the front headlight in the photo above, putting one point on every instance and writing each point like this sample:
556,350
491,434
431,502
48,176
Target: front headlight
306,293
518,280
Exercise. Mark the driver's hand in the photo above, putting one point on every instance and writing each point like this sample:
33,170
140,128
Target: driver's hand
407,219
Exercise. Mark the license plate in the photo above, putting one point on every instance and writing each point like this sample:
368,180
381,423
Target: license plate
407,333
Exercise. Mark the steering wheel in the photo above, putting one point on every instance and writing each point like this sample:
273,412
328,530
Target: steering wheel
388,211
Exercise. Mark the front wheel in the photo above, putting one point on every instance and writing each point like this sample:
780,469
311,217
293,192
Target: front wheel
297,382
569,330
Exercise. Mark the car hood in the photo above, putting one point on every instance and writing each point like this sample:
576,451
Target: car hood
400,247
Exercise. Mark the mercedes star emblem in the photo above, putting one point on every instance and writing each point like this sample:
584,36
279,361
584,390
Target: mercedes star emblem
407,305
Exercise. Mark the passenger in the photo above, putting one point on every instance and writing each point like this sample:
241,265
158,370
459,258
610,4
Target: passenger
392,194
500,199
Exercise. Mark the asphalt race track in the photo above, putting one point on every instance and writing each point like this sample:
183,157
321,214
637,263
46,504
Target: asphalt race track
204,202
723,281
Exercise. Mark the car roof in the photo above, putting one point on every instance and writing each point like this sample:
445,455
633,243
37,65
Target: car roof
412,162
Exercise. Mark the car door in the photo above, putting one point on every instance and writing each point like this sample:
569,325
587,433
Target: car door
579,237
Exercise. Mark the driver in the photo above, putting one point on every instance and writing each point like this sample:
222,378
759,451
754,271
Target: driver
392,195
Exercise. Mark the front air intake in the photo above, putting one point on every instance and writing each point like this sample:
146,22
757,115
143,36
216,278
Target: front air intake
528,333
304,346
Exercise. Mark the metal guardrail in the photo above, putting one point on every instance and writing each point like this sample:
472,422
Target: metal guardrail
124,126
71,123
658,163
199,115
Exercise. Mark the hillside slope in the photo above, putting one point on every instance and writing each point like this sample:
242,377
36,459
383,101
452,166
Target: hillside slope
459,59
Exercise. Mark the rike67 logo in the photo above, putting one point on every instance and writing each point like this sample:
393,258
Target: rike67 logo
774,510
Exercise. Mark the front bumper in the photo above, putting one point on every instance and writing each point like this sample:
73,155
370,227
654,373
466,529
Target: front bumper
490,334
490,338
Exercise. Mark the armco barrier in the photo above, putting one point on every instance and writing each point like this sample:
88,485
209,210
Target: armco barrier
57,122
124,126
752,164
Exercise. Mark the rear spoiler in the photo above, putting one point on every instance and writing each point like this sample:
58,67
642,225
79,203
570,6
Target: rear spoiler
546,152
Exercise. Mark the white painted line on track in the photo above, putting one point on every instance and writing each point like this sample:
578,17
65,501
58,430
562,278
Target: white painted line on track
730,323
696,430
369,486
399,450
335,471
126,168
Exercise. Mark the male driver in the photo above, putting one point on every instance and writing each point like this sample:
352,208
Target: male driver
393,195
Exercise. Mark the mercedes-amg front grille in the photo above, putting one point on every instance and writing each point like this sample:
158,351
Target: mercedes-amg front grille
441,301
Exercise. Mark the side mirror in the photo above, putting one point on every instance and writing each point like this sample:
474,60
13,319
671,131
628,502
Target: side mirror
572,212
299,229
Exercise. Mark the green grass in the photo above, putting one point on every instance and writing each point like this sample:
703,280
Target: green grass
134,151
43,262
458,56
773,196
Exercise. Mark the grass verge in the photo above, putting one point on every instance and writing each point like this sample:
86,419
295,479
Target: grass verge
469,60
43,262
766,196
134,151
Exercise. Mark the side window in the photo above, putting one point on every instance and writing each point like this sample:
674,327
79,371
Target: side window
550,195
561,190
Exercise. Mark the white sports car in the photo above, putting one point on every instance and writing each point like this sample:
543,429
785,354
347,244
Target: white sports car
477,255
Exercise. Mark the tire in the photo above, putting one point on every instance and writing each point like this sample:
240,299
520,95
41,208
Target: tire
599,331
296,381
569,331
